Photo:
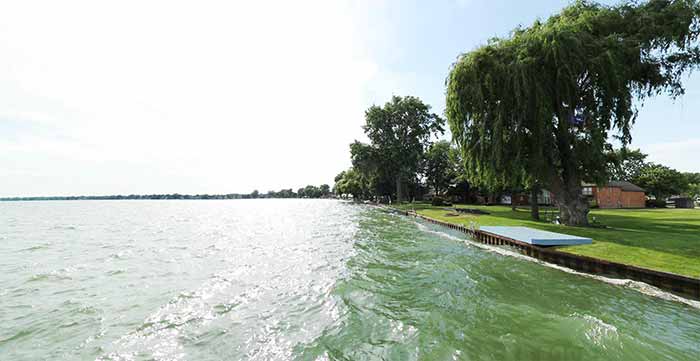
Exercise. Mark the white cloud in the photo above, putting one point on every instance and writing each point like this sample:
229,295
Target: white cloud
681,155
165,96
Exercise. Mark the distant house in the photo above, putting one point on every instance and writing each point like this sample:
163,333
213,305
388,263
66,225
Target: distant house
616,194
545,198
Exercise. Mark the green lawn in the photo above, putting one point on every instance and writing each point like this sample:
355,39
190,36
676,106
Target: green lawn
661,239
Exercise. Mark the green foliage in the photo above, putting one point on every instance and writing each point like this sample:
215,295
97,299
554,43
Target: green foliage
626,164
372,168
694,190
692,177
656,179
461,186
655,203
311,191
661,181
693,187
541,104
439,166
351,182
399,133
285,193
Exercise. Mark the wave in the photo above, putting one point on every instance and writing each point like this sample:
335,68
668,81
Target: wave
69,227
57,275
160,332
596,330
36,247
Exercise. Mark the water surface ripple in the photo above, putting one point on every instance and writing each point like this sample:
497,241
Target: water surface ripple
299,279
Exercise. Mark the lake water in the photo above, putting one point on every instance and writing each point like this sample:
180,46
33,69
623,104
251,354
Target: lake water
299,279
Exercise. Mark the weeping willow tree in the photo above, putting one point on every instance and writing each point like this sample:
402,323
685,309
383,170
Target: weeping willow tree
541,106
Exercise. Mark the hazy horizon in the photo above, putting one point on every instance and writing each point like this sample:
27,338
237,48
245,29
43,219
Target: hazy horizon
216,98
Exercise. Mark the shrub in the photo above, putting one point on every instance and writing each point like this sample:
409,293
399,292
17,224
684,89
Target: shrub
655,203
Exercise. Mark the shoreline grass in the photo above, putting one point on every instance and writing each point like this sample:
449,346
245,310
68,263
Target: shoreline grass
666,240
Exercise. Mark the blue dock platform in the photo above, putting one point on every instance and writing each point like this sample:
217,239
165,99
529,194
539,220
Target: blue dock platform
535,236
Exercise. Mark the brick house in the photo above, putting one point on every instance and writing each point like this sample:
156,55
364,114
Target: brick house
616,194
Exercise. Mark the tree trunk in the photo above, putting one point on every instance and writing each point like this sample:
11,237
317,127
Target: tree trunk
575,212
573,206
534,205
399,196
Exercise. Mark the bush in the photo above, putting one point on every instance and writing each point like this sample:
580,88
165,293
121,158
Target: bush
655,203
439,201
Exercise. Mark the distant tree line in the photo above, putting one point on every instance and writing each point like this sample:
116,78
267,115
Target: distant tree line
658,180
309,191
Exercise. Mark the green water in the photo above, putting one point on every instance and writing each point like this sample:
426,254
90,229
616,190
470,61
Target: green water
300,279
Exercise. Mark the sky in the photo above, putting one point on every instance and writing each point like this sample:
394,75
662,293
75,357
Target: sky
141,97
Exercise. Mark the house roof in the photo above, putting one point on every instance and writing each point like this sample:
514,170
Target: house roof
625,186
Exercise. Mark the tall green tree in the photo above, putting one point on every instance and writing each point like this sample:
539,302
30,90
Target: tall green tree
286,193
661,181
543,103
693,180
337,188
439,166
626,164
350,182
373,168
462,187
400,132
312,191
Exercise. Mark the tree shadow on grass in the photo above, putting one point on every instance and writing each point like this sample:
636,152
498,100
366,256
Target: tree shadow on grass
662,235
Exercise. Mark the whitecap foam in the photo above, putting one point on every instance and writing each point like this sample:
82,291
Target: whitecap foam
596,330
160,333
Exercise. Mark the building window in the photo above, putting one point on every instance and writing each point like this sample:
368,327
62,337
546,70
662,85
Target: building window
587,191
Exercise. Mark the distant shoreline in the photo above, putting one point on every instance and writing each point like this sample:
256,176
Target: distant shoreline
150,197
310,191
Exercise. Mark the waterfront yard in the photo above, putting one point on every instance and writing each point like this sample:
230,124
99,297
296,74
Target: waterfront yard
661,239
